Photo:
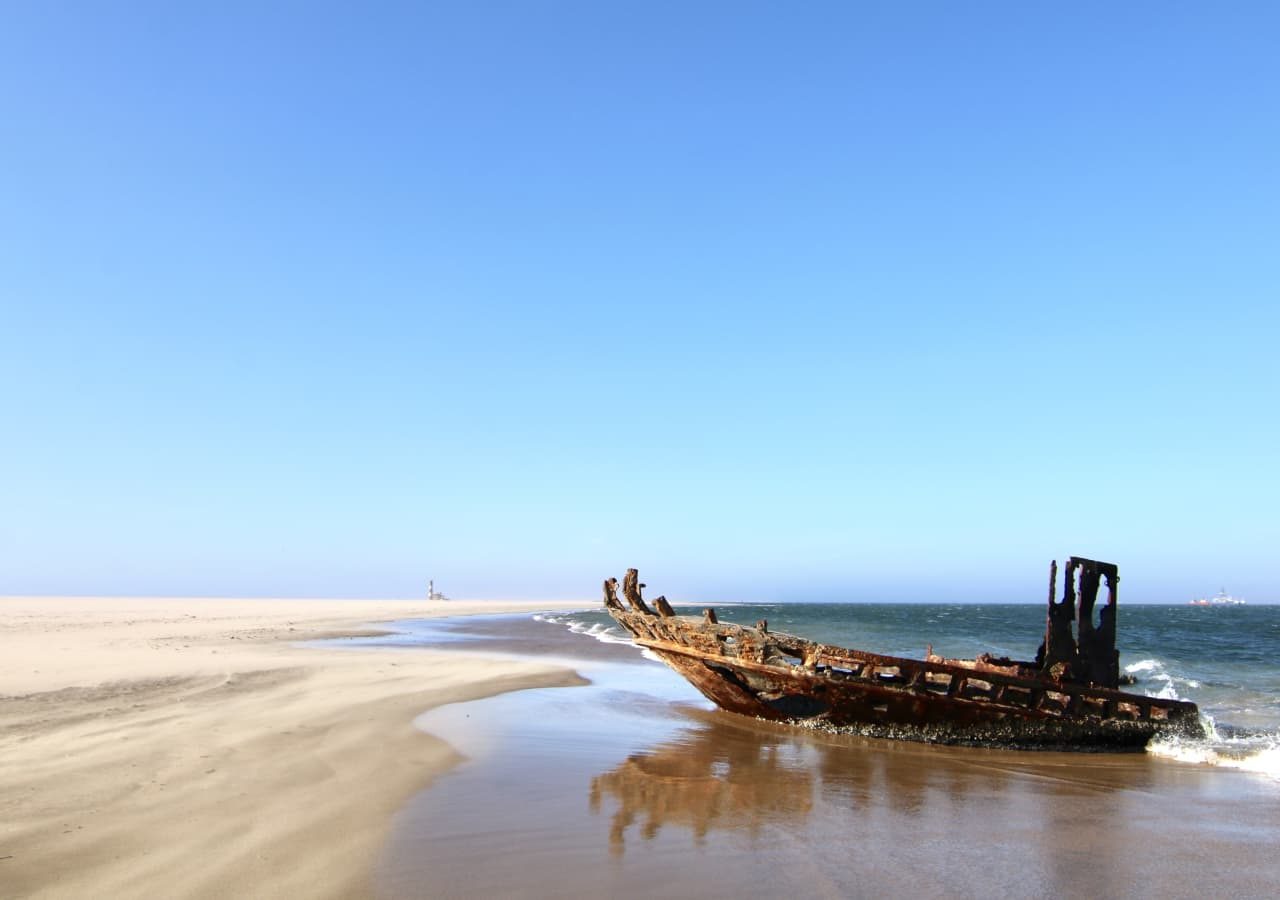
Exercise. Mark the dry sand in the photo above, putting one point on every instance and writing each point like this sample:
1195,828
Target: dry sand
189,747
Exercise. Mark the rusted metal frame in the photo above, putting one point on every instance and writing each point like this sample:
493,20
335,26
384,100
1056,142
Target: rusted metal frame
871,695
863,666
1076,695
961,674
888,689
872,692
1096,642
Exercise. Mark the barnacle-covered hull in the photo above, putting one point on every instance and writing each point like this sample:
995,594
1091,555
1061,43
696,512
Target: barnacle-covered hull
770,675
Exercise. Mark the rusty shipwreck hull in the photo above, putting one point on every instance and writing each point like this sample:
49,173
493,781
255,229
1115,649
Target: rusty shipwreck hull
770,675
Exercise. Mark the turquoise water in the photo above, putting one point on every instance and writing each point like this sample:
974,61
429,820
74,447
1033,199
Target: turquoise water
1222,658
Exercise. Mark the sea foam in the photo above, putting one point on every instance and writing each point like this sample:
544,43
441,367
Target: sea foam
1153,670
1257,752
604,633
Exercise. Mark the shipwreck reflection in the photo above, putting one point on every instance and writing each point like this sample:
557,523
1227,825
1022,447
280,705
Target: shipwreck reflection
712,776
725,774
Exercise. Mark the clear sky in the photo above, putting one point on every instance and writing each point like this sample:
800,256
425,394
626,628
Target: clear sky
775,301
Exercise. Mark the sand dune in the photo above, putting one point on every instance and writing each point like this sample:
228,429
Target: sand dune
188,748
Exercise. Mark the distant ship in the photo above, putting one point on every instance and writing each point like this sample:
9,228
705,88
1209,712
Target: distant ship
1222,598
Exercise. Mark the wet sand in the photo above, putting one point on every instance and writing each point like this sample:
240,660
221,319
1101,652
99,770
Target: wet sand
633,787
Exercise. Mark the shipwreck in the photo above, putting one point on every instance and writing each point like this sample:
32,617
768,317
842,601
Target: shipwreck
1068,697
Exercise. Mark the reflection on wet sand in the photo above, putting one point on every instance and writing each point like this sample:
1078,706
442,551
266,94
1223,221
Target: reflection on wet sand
960,821
709,777
727,773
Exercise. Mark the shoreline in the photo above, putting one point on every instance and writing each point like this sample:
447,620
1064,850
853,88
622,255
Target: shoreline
635,786
192,747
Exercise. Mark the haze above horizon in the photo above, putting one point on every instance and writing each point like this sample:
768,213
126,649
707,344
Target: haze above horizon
853,301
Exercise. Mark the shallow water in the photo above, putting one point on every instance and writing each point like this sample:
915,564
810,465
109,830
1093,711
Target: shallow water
633,786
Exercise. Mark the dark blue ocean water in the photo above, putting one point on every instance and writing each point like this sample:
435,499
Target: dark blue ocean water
1225,659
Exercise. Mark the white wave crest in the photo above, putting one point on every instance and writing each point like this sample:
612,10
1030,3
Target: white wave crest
1153,670
606,634
1182,750
1258,753
1264,762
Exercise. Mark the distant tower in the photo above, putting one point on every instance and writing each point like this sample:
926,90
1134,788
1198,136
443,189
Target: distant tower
431,589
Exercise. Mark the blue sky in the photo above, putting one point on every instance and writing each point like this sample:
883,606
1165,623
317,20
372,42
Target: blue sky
851,301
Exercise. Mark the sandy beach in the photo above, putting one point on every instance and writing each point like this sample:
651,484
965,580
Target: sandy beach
211,748
194,748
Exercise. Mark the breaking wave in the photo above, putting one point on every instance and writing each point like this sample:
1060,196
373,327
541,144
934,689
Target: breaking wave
1248,751
1166,683
605,632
